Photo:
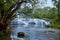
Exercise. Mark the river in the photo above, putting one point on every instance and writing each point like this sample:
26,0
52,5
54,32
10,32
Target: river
34,33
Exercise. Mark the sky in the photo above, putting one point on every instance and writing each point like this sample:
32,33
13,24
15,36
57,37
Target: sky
49,3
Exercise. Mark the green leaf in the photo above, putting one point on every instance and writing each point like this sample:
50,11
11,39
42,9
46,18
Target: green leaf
6,6
1,1
10,1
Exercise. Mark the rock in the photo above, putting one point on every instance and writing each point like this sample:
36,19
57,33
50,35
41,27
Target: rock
21,34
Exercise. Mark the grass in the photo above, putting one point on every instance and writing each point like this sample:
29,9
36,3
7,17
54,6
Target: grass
53,26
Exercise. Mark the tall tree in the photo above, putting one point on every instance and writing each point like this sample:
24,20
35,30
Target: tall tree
57,6
7,10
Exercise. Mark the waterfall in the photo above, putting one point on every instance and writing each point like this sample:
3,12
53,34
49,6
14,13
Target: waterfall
34,29
30,22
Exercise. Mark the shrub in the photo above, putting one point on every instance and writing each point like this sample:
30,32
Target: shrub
1,33
53,26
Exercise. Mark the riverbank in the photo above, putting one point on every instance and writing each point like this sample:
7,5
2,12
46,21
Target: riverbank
4,36
57,26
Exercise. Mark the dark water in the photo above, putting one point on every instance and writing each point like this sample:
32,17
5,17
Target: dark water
35,33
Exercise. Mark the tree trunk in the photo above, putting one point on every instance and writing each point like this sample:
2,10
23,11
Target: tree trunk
3,25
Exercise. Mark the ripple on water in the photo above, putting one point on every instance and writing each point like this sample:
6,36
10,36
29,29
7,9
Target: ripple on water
34,34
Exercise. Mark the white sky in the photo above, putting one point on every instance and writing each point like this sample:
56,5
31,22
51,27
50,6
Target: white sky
49,3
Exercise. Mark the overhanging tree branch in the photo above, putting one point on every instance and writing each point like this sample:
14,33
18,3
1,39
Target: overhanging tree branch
11,11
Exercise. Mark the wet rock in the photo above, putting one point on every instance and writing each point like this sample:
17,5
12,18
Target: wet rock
21,34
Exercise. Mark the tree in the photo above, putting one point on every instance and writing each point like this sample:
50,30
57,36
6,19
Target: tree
57,7
7,10
46,12
28,9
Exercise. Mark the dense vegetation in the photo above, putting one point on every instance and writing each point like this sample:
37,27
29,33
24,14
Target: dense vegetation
8,9
57,17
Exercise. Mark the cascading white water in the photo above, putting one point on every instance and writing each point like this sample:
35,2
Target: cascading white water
30,22
34,29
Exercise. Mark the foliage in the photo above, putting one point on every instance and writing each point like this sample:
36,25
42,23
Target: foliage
53,26
29,8
4,36
27,11
1,33
8,9
57,7
6,12
46,12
